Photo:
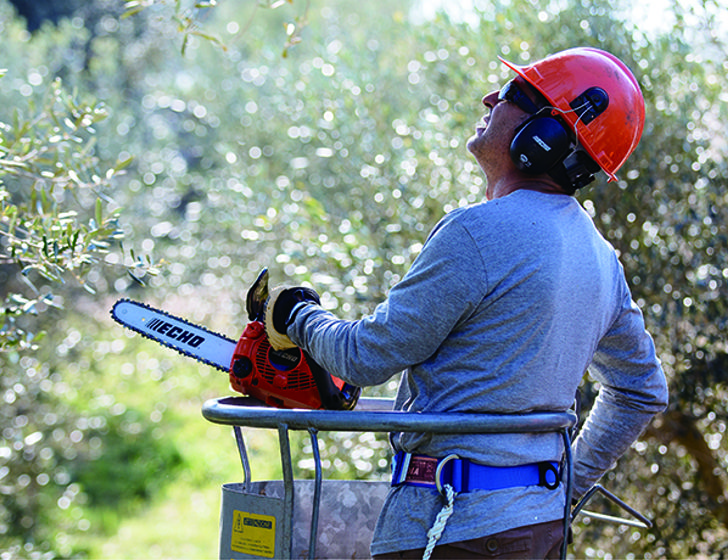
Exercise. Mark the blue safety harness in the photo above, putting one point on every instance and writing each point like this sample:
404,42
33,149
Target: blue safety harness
464,475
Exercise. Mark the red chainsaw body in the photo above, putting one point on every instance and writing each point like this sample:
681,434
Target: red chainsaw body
279,378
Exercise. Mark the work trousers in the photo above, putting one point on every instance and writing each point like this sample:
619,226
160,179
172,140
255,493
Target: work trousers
540,541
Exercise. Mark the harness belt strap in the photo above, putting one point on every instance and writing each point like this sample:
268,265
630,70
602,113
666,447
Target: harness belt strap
465,476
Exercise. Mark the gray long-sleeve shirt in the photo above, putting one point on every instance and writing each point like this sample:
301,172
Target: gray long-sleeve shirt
506,307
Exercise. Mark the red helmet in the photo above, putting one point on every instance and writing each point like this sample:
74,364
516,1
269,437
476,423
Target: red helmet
567,77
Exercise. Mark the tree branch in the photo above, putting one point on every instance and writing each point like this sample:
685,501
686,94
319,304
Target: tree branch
680,427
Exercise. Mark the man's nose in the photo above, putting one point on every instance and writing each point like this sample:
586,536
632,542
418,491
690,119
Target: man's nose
491,99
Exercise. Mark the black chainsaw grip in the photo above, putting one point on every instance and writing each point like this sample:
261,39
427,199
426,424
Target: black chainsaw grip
332,398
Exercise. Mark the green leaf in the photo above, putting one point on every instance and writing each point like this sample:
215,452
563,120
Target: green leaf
122,164
135,278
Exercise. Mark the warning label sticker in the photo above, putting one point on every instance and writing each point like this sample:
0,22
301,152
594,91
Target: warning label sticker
253,534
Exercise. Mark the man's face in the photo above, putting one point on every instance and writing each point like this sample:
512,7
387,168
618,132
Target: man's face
492,139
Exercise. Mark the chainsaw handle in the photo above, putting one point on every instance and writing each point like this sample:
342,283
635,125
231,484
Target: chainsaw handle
332,398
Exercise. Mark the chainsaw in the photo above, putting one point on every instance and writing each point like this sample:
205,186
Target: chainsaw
279,378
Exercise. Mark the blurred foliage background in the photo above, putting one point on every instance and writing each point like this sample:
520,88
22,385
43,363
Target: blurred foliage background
167,151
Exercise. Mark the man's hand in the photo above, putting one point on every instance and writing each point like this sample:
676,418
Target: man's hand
280,311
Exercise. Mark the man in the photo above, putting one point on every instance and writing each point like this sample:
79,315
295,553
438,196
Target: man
507,305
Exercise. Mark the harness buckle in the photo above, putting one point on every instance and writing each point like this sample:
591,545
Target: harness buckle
548,475
438,472
400,465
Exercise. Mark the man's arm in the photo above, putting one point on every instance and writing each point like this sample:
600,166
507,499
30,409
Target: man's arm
445,284
633,389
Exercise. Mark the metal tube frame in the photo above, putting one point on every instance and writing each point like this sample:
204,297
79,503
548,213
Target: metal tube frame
374,415
240,441
316,494
640,520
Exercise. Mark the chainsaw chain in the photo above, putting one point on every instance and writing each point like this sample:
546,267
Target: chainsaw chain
164,342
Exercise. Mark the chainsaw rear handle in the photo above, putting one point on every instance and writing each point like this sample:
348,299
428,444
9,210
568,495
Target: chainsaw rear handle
332,397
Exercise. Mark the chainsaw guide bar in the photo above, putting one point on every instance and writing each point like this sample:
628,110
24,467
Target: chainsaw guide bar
191,340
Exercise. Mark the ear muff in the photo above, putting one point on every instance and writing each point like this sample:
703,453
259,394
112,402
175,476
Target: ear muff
539,144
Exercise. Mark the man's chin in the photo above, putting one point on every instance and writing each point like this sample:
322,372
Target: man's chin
472,143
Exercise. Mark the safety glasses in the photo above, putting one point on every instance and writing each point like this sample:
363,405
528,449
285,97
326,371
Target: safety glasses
513,93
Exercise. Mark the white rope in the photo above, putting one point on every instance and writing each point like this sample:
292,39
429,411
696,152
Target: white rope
438,526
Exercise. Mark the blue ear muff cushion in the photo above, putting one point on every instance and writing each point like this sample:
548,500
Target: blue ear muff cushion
539,144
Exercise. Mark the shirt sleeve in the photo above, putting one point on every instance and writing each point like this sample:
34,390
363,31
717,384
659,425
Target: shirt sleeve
444,285
633,389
